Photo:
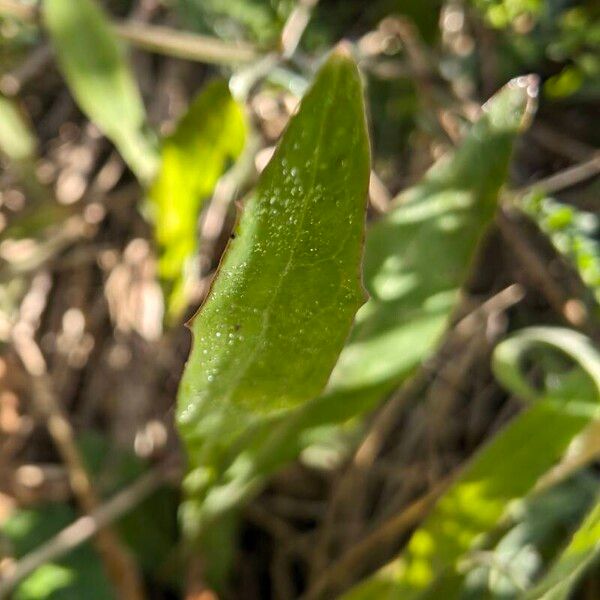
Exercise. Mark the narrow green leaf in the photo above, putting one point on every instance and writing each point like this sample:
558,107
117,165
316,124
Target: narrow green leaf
416,259
288,287
418,256
192,159
94,66
577,557
505,470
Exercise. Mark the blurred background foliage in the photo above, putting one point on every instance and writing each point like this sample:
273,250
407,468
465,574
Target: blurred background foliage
92,313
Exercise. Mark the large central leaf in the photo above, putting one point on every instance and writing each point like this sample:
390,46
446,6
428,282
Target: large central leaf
288,286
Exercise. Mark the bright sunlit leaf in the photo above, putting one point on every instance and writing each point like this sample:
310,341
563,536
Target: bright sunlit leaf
212,131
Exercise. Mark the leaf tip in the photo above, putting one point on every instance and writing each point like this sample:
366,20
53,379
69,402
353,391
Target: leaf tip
514,106
343,50
530,85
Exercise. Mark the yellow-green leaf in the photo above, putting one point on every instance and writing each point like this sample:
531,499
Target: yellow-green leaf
93,63
192,159
17,141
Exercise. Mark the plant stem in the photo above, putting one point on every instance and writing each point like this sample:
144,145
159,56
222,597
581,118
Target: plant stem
84,528
162,40
180,44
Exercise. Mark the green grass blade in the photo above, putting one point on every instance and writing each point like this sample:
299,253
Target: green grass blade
288,287
577,557
193,158
94,66
504,470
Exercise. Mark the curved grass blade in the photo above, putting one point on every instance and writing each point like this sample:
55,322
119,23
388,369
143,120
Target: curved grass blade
577,557
192,159
505,470
94,66
288,287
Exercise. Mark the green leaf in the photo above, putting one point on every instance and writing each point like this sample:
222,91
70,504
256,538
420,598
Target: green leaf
94,66
193,158
573,232
418,256
288,287
17,141
259,20
578,556
78,575
504,470
416,259
535,531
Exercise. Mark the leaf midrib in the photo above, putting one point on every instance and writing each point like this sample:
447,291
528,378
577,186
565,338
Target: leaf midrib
268,310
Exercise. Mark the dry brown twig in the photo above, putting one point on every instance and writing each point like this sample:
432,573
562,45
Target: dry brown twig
295,26
340,572
119,564
184,45
560,143
571,309
86,527
162,40
569,177
420,64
